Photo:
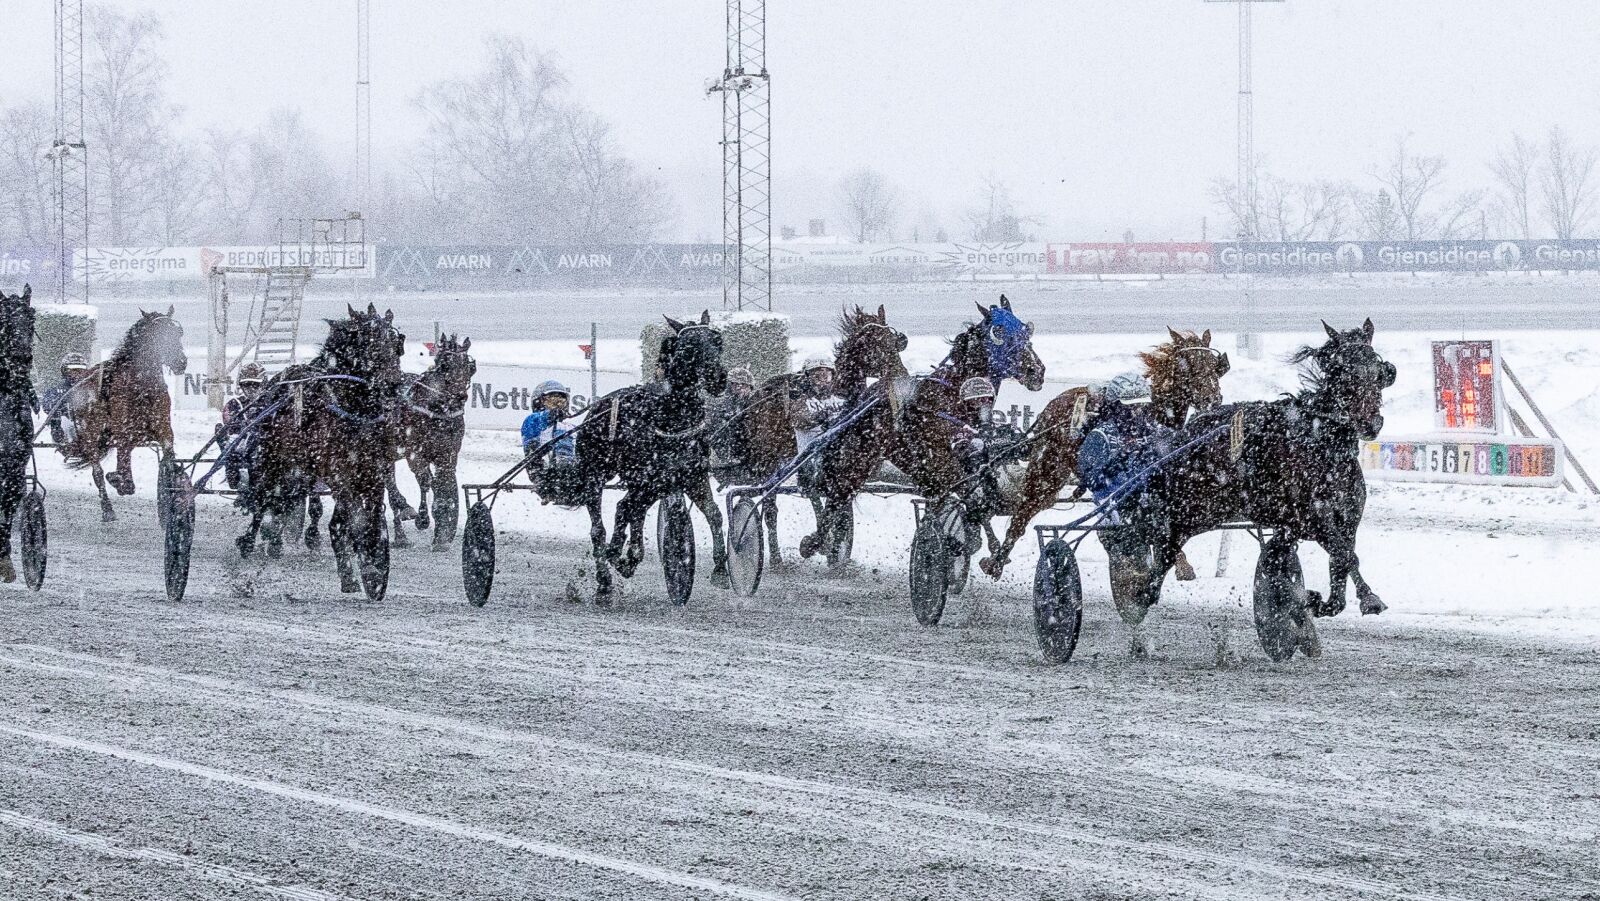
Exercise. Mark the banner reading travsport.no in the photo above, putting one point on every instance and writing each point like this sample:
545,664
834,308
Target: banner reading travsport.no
700,265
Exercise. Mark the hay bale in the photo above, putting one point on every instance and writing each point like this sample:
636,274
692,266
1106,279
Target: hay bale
757,340
60,329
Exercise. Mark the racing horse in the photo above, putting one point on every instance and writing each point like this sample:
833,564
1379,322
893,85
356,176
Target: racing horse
1290,465
652,437
332,420
17,401
432,424
867,353
123,403
916,434
1185,374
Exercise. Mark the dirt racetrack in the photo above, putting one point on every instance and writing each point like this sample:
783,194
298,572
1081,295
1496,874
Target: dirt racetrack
268,737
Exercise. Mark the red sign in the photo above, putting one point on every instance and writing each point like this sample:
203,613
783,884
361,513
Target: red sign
1129,259
1466,386
588,351
429,346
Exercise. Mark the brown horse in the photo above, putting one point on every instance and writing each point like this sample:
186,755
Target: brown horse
1184,373
866,353
432,426
915,434
123,403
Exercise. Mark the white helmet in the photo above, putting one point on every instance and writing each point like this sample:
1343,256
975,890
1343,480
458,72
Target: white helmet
816,362
977,388
551,387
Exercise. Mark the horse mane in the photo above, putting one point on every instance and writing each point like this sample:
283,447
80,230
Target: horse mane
1161,364
137,334
1313,378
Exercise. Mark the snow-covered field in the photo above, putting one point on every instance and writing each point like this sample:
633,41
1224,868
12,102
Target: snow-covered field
271,737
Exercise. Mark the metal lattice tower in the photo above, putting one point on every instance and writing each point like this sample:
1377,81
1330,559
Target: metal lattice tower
363,173
1249,226
746,160
69,155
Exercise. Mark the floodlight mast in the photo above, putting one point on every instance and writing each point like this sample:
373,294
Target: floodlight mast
746,159
1249,219
69,156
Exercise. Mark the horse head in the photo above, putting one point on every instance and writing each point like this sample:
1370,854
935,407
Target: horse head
868,348
16,331
159,336
1347,377
1005,344
366,344
692,355
454,364
1186,372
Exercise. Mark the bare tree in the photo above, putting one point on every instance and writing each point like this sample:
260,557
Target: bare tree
507,155
1462,218
127,120
231,193
289,172
1303,211
27,215
1226,194
1566,184
1380,219
177,208
1515,171
1410,180
995,219
869,204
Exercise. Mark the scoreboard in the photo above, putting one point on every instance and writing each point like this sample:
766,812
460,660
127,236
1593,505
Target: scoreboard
1466,387
1483,459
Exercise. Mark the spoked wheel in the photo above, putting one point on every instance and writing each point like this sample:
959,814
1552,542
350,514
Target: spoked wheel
1057,602
843,540
675,544
1280,599
477,554
746,557
371,532
930,570
164,490
35,539
177,518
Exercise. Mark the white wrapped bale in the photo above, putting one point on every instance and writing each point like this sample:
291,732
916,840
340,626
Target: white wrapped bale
757,340
60,329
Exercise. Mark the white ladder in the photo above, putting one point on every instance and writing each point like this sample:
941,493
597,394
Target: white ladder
277,328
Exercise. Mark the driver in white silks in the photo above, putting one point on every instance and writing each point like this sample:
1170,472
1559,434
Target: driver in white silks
58,404
813,407
983,442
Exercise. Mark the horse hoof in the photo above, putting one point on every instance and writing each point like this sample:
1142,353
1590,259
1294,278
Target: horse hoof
441,546
313,540
809,546
1184,571
720,578
1371,605
423,522
8,573
349,584
1141,647
245,545
405,512
274,549
108,515
400,539
604,596
991,568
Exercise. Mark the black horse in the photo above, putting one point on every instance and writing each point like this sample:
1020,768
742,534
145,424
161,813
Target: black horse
1290,465
17,403
653,438
332,420
432,425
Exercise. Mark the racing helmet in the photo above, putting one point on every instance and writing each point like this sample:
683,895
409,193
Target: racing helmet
551,386
741,375
977,388
252,374
816,362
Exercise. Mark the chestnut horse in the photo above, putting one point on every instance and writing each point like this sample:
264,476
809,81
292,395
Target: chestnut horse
123,403
432,426
17,401
866,353
1184,373
915,434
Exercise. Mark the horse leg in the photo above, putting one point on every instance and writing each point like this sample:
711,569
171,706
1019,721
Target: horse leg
769,512
812,543
247,542
10,498
343,545
1040,486
706,500
603,589
423,472
402,508
626,562
446,504
1182,569
107,512
124,480
313,537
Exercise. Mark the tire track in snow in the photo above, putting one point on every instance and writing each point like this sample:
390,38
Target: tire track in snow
233,692
551,850
190,865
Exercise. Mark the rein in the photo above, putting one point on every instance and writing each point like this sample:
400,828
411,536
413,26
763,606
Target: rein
405,396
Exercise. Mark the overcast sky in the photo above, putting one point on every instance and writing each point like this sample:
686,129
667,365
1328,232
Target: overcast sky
1100,116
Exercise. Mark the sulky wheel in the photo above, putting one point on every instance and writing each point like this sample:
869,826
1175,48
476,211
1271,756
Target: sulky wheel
164,473
930,571
1280,599
745,547
35,539
477,554
675,544
1057,602
178,530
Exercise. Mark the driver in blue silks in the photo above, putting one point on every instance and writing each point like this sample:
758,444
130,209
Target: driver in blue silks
554,473
1123,439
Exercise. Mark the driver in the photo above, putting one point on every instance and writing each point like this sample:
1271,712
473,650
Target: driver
813,407
982,444
1123,439
554,473
58,409
235,415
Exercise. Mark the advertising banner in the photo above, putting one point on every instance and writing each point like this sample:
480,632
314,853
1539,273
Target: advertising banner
169,264
1129,259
